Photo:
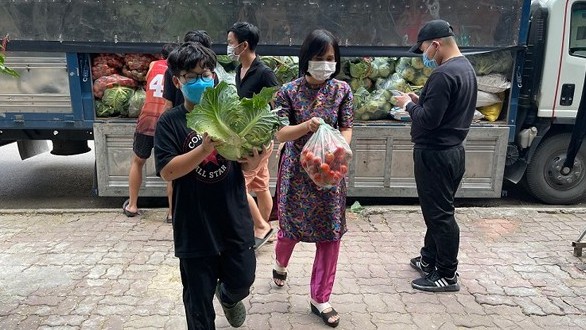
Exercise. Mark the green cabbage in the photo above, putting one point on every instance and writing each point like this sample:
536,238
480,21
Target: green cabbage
239,124
103,110
118,98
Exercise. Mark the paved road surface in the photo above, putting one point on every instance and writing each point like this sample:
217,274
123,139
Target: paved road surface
101,270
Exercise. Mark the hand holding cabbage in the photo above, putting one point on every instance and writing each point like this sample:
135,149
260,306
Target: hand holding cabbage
239,125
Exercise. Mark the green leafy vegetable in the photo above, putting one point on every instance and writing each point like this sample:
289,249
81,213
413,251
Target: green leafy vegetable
103,110
118,98
240,125
4,69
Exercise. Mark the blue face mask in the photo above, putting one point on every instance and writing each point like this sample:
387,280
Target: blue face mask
193,90
430,63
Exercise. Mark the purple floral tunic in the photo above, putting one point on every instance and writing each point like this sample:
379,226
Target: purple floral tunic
306,212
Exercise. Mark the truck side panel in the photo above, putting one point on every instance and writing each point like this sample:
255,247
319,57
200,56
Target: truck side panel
113,144
382,165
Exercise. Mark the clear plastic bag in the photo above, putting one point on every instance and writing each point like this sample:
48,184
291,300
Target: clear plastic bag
325,157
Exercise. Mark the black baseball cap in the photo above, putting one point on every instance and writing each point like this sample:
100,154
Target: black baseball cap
438,28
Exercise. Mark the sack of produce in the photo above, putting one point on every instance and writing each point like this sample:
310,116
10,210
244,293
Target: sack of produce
118,98
325,156
493,83
136,102
491,112
484,99
492,62
106,64
376,106
105,82
240,125
136,66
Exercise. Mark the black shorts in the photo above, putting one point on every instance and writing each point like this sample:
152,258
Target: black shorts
143,145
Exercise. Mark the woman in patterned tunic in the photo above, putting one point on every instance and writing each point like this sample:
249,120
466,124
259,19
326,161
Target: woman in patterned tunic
306,212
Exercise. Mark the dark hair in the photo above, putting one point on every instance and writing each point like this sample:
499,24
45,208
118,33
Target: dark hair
245,31
189,56
316,43
200,36
167,49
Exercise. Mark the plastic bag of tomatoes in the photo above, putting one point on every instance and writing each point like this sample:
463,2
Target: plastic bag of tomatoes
325,156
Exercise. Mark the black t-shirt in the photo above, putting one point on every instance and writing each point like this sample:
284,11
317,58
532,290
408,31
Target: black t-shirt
446,106
211,212
170,92
258,76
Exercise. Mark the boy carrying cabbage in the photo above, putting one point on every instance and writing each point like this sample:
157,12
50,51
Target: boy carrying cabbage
212,227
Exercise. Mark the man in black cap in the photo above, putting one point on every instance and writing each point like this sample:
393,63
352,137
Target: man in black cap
441,116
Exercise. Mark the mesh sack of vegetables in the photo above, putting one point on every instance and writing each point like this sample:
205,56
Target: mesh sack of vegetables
118,98
136,102
240,125
325,156
377,106
105,82
106,64
493,83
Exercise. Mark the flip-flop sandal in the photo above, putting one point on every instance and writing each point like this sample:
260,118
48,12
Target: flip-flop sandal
236,314
325,316
258,242
168,218
128,213
279,273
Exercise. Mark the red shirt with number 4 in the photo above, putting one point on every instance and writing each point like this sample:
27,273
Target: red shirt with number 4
154,103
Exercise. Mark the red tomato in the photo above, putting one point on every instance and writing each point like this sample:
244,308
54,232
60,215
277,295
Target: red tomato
325,168
339,152
337,177
329,157
343,169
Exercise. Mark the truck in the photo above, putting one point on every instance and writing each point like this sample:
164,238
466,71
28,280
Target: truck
51,44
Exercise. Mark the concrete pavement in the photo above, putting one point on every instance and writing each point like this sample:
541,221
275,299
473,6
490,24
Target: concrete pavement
97,269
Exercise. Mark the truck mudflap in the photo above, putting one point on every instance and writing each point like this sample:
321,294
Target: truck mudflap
113,147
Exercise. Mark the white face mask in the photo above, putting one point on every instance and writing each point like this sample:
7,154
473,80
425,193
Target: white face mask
321,70
230,52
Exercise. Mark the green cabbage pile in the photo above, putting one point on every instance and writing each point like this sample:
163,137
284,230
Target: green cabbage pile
239,124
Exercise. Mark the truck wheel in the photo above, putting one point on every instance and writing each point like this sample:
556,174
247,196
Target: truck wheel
544,179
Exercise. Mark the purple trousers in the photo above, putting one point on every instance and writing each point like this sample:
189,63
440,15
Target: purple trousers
324,265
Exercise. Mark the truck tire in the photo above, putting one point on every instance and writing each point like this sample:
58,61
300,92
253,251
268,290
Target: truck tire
544,179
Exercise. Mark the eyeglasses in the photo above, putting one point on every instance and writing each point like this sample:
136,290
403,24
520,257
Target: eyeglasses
192,76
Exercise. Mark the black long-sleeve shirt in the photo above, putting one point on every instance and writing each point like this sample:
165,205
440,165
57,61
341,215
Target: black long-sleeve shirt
446,106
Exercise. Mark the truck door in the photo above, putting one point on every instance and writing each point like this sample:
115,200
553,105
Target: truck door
571,66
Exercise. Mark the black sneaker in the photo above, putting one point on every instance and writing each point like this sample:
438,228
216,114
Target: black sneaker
421,266
434,282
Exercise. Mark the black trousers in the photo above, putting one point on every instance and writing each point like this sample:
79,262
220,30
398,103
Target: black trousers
438,174
234,269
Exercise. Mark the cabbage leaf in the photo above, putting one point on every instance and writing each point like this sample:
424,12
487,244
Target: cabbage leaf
239,124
